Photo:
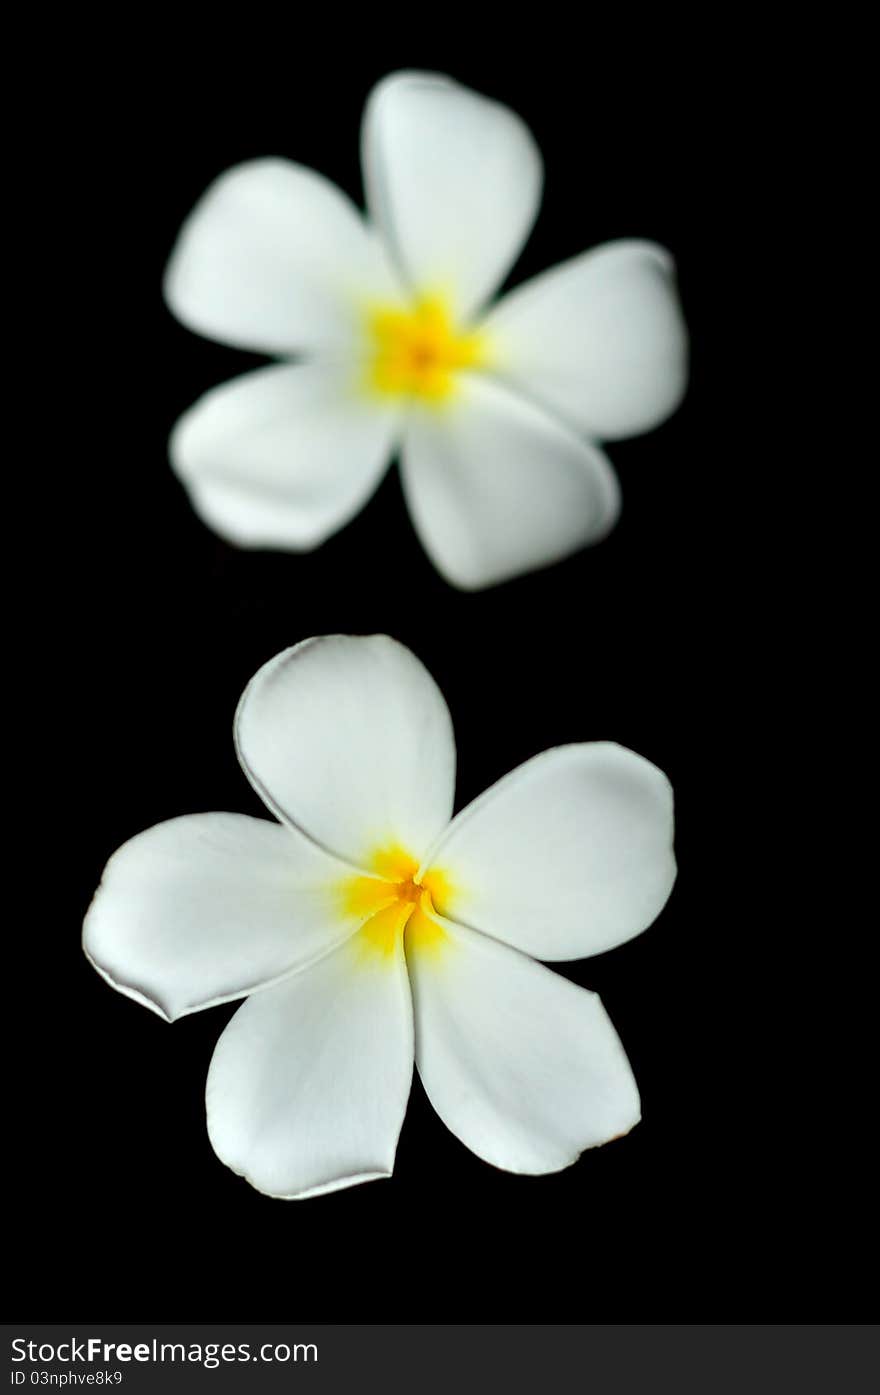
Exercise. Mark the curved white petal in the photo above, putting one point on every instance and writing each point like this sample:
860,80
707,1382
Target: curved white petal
309,1082
565,857
275,258
349,739
496,487
206,908
523,1066
454,182
283,456
599,339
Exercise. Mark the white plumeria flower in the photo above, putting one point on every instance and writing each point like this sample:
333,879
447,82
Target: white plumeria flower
370,928
495,414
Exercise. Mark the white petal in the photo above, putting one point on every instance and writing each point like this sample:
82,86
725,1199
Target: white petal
283,456
496,487
206,908
350,739
275,258
453,180
523,1066
599,339
567,856
309,1082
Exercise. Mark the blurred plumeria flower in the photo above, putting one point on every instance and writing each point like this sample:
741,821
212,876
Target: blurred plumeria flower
495,413
370,928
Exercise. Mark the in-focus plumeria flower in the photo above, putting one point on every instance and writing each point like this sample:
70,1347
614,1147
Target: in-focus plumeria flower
370,930
495,413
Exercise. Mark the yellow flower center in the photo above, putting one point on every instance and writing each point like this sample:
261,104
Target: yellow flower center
397,905
417,352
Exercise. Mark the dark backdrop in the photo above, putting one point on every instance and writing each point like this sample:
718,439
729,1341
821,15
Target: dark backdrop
147,628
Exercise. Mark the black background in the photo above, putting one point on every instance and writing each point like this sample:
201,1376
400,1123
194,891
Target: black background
148,628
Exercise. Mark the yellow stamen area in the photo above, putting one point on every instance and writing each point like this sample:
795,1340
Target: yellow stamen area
417,352
396,906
